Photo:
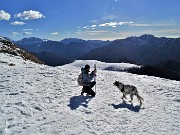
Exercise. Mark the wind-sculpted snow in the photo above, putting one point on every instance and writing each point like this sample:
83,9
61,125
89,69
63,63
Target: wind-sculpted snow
104,65
38,100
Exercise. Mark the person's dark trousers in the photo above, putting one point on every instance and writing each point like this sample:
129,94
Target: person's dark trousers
88,89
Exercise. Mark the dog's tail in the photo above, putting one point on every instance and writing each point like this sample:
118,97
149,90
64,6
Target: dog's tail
139,98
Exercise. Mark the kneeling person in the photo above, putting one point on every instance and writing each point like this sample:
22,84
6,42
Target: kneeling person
87,80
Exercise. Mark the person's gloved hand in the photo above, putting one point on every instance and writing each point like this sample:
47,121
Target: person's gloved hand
94,71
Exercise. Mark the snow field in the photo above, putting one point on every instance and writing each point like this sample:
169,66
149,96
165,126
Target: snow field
38,100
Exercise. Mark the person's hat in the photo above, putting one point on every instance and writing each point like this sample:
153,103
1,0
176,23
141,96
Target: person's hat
87,67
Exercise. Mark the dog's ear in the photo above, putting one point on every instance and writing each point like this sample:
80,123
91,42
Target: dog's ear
116,83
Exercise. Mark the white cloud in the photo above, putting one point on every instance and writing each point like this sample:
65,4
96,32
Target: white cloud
27,29
15,33
30,15
27,33
55,33
4,15
93,26
114,24
17,23
86,27
90,27
109,24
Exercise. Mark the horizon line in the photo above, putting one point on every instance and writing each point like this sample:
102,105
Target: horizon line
92,39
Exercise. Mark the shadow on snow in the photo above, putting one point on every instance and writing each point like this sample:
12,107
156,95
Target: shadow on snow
77,101
178,100
128,106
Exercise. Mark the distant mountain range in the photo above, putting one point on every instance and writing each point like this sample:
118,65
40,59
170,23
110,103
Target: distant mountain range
160,56
144,50
56,53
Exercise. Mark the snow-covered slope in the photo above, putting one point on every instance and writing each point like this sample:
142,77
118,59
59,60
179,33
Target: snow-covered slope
41,100
10,48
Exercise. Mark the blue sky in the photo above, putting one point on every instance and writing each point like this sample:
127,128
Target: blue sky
89,19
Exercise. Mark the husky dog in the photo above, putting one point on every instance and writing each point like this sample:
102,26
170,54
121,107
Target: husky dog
128,89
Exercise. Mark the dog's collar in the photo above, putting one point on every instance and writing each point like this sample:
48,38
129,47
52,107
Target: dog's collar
122,90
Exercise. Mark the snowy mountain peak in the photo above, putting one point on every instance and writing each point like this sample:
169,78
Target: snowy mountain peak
30,41
147,36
